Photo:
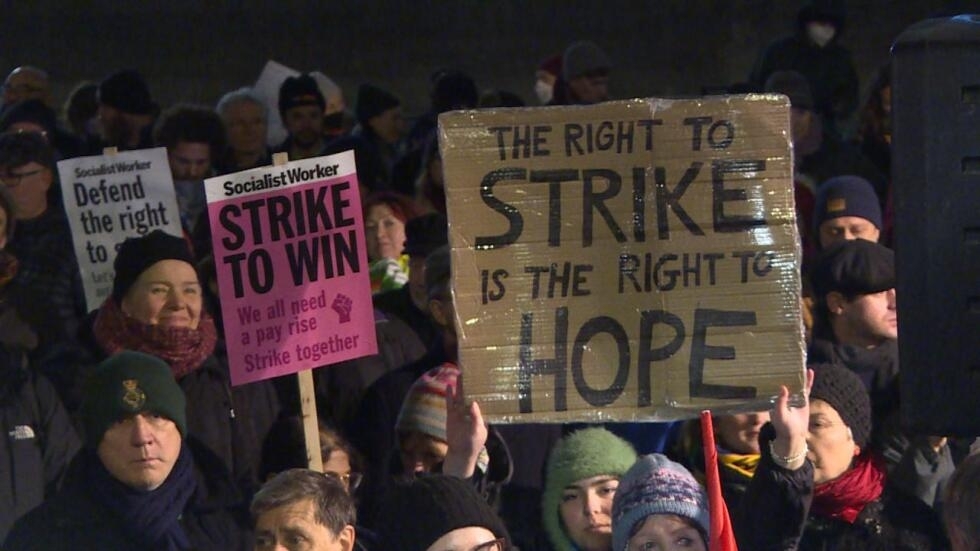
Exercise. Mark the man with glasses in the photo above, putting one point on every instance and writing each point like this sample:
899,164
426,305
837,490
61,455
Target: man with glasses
47,287
301,510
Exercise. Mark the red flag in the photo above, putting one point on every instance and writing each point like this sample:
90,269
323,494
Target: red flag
722,537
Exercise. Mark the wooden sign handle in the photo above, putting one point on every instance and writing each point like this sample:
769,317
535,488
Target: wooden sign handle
307,393
311,429
279,159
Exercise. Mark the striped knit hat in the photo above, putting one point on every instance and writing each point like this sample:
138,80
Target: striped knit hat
655,485
424,408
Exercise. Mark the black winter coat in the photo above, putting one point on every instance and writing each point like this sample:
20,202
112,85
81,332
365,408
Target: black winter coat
231,421
38,439
775,515
214,518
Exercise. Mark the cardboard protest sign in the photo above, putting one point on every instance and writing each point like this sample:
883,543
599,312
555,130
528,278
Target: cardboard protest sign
109,198
292,266
629,260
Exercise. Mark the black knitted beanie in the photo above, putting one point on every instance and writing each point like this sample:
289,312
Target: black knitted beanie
844,391
422,511
136,254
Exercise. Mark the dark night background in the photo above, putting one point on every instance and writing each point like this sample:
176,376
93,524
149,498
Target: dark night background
196,51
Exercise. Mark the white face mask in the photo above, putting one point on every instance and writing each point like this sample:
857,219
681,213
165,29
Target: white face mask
544,91
820,33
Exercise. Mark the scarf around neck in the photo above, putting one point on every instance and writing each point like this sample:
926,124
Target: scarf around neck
743,464
183,349
150,517
847,495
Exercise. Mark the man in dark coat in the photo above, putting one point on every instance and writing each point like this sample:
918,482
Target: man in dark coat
856,327
857,320
138,484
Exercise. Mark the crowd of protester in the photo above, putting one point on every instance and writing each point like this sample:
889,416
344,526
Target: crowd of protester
123,430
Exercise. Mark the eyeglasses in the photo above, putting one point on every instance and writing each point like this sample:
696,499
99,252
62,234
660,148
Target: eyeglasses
13,179
22,89
19,131
499,544
350,480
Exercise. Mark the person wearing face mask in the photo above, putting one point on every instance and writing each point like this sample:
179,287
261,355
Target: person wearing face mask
545,77
820,486
815,51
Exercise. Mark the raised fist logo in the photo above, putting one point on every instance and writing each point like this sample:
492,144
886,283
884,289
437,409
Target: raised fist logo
342,305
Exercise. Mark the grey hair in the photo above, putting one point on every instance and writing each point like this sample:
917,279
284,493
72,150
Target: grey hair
333,506
245,93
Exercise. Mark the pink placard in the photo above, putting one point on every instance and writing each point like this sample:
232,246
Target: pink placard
292,267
